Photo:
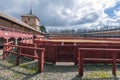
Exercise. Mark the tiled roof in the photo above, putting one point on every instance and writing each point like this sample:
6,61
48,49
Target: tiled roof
10,18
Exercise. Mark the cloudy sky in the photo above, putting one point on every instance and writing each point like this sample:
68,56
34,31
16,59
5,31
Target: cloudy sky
66,12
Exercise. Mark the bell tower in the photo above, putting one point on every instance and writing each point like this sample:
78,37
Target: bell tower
31,20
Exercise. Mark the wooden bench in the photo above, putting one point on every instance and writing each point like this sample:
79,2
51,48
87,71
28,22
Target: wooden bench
81,59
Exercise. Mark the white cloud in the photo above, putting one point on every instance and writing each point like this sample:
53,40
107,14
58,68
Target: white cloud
83,8
65,12
117,13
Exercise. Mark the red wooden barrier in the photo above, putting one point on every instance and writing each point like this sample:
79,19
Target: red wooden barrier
83,38
6,48
63,51
83,51
40,56
19,53
28,51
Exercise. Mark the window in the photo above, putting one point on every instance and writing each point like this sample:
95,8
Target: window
28,19
25,21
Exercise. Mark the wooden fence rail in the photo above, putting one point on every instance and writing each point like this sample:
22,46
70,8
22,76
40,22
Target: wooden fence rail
8,48
83,51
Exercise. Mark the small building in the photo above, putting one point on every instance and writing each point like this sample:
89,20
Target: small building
11,27
31,20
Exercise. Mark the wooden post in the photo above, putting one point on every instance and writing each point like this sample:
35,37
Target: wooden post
80,63
35,51
12,45
114,64
16,41
18,56
7,44
23,40
75,51
5,47
29,40
32,40
7,41
4,54
40,61
55,59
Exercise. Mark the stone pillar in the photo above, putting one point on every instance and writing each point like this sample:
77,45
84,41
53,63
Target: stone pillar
22,39
16,41
7,41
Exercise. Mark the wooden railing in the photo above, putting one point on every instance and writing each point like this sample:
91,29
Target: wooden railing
3,28
83,51
8,48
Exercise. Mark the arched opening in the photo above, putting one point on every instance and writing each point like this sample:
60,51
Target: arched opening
2,41
12,39
19,39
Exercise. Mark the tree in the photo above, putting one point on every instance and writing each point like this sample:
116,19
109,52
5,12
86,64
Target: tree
43,29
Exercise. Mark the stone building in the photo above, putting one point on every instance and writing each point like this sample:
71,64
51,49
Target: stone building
31,20
11,27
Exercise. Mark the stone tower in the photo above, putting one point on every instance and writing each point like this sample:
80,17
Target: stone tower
31,20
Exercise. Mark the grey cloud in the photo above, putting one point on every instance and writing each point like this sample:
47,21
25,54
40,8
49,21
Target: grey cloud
47,11
89,18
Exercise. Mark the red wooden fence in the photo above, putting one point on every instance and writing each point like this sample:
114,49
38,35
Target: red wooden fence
83,51
8,48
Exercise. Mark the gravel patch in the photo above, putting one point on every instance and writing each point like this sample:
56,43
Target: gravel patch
27,70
